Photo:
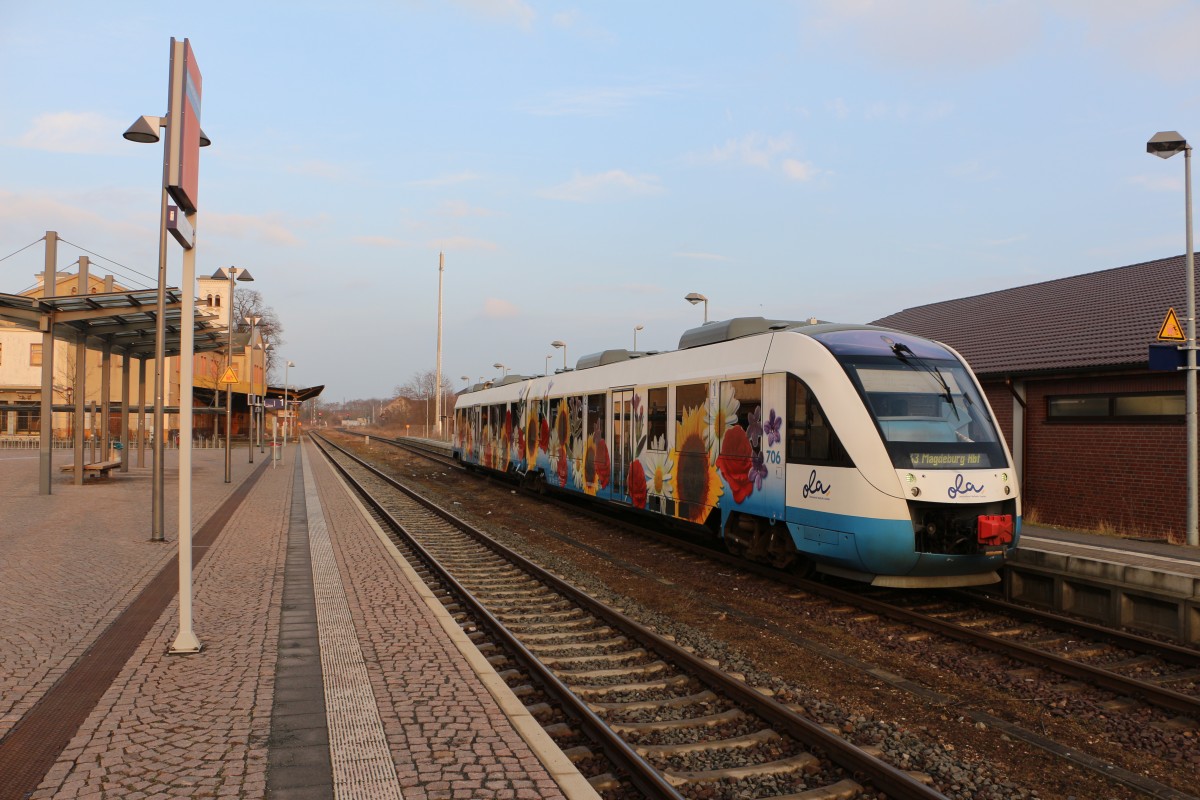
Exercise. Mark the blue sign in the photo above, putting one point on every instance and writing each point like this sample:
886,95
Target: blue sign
1167,357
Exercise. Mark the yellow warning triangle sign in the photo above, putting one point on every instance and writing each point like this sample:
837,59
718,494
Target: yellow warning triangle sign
1170,330
230,376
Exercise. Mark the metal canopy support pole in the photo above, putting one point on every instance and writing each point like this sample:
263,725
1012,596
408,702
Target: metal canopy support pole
160,367
126,375
437,385
46,416
80,380
141,413
105,404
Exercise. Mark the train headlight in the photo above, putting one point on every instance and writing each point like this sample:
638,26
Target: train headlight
1004,477
910,478
916,491
1008,490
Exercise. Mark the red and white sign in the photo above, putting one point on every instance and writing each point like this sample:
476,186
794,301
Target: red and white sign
182,170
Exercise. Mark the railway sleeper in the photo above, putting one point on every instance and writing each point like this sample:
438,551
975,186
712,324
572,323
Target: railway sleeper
708,721
842,790
616,672
541,618
577,754
602,630
706,697
737,743
666,684
566,661
544,646
605,782
806,763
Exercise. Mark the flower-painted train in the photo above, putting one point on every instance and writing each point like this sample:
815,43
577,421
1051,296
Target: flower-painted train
863,452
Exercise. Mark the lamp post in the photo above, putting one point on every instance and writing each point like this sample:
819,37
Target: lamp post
560,344
500,366
287,411
636,328
546,369
146,131
180,179
238,274
696,297
253,323
1165,144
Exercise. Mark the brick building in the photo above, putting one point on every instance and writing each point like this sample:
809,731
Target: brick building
1099,439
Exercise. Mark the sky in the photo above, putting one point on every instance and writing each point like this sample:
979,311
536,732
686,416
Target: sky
584,166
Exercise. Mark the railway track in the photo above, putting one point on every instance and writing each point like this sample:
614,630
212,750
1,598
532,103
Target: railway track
1089,671
674,725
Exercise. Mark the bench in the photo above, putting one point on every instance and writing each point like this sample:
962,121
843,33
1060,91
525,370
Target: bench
101,468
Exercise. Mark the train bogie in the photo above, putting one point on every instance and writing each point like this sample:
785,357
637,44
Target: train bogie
829,446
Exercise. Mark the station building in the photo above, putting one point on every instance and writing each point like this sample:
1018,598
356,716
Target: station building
21,372
1099,439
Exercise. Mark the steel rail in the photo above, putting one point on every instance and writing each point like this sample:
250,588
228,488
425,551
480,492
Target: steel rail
644,776
895,782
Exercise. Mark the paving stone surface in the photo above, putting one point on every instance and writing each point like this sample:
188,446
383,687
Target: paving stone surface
74,559
448,736
200,725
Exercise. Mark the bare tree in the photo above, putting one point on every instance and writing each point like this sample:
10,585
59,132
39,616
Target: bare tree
422,386
249,303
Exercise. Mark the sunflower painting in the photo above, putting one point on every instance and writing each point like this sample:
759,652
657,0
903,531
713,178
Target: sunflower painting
696,486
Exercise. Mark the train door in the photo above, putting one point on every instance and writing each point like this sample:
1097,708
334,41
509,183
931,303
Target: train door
622,442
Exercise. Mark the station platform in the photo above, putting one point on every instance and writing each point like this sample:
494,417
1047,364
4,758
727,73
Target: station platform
1148,586
327,668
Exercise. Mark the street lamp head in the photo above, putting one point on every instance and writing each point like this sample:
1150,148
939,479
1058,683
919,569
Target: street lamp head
1165,144
291,363
204,140
243,274
144,131
498,365
639,327
220,274
558,343
696,297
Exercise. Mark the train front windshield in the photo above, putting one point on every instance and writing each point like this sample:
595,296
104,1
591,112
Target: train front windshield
929,412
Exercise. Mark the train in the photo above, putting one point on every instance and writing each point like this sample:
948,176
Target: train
851,450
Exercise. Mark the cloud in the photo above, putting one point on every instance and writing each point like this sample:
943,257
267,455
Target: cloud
799,170
462,243
1158,183
763,152
458,208
319,169
74,132
380,241
1158,38
701,256
929,34
575,21
495,308
446,180
594,102
512,11
754,149
266,228
603,185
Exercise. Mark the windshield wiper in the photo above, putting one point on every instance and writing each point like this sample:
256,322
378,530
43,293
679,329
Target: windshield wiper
904,353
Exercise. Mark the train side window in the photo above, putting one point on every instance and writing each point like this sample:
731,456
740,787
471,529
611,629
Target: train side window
689,400
595,409
810,439
656,418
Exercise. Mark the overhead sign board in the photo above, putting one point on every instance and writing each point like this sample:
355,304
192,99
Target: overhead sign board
1171,330
180,228
182,167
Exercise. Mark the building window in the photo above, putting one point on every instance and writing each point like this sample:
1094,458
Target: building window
1124,407
35,355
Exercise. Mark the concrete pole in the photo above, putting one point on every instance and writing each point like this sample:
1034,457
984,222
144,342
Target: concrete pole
1193,516
46,418
437,386
105,393
185,639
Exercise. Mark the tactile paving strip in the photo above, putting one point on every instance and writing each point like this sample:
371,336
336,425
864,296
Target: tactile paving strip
358,747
